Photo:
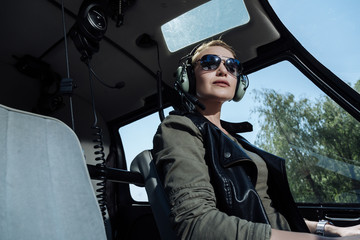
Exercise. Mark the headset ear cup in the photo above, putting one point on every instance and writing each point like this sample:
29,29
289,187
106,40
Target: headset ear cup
185,77
239,94
243,83
182,78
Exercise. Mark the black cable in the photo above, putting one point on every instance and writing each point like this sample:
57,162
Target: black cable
160,101
118,85
99,147
158,56
159,86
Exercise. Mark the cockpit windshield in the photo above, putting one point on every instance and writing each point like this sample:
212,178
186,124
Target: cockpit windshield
329,30
204,21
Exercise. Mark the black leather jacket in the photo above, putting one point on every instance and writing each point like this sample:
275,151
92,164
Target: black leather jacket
234,175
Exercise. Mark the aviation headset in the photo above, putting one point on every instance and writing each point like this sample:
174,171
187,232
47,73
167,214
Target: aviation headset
185,78
90,27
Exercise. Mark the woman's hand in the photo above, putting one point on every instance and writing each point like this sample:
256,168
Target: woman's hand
331,230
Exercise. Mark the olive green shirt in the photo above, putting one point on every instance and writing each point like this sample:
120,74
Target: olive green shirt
179,155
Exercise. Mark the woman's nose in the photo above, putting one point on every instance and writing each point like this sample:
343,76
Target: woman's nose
222,71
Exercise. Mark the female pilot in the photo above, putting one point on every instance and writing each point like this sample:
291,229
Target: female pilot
219,185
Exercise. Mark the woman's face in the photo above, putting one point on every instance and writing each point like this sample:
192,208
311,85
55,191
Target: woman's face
215,85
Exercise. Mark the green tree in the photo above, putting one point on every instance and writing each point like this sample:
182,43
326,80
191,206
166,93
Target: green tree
320,142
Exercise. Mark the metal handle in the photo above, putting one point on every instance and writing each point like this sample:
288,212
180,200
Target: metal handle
342,219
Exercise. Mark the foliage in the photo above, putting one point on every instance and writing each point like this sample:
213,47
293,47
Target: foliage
320,142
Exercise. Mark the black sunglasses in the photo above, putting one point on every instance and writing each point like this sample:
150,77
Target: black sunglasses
212,62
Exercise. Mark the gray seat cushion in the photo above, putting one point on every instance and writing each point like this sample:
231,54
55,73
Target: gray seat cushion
45,189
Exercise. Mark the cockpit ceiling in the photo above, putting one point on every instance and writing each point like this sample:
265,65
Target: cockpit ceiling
34,28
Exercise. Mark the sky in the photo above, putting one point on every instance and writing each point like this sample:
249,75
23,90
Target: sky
328,29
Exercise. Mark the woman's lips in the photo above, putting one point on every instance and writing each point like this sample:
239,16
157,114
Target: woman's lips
222,83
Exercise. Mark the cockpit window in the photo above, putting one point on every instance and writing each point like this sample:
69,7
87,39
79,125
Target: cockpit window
329,30
135,141
204,21
295,120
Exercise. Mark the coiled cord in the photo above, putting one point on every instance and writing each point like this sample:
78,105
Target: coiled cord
99,151
100,158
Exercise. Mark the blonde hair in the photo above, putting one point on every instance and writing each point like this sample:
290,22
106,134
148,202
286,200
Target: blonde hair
212,43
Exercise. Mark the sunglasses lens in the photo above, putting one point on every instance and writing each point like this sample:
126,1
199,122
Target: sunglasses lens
210,62
233,66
